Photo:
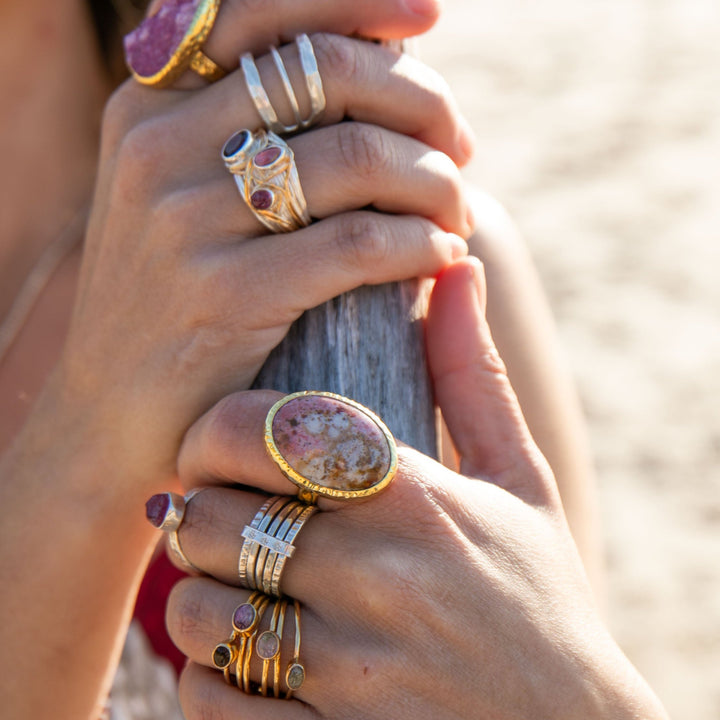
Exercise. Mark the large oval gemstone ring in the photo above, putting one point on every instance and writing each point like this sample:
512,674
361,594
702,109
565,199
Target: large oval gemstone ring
330,445
170,41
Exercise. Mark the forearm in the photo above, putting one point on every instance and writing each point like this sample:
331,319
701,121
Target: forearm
75,543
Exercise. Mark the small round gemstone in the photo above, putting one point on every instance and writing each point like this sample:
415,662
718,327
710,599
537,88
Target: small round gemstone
295,676
261,199
236,142
268,645
222,656
244,617
156,509
267,156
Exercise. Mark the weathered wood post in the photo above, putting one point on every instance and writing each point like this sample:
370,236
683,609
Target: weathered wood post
367,345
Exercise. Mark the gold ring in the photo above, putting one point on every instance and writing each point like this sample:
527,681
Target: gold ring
170,42
330,445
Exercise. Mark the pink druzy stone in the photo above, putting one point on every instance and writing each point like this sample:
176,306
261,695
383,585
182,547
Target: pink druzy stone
331,443
150,46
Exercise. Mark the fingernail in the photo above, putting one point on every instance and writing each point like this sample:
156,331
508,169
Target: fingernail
467,139
426,8
470,218
156,509
458,246
478,279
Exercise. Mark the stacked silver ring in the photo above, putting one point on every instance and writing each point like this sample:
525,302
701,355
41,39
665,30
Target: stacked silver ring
313,83
269,543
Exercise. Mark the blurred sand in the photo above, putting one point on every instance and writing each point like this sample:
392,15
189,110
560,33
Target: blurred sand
599,128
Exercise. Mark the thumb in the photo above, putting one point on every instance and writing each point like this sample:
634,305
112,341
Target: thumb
473,390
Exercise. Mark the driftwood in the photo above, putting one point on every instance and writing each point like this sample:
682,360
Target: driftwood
367,345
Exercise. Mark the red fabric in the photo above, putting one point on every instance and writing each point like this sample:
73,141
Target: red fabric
160,577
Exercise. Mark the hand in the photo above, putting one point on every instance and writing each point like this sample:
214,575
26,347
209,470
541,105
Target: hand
448,595
183,295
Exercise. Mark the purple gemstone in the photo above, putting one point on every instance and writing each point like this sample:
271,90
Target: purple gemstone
236,143
267,156
244,617
261,199
150,46
156,509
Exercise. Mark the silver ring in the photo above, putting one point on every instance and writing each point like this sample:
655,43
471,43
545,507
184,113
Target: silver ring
313,83
171,525
268,543
263,166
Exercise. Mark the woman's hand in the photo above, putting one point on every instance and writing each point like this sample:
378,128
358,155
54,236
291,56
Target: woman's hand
445,596
183,294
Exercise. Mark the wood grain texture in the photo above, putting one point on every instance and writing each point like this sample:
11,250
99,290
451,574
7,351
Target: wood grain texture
367,345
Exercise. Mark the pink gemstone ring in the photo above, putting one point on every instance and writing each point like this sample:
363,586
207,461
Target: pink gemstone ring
263,166
331,446
169,42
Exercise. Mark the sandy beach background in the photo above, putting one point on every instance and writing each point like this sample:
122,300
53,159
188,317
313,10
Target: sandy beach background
599,128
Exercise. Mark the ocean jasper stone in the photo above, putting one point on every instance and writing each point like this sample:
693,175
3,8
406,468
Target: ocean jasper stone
331,443
261,199
150,46
156,509
267,156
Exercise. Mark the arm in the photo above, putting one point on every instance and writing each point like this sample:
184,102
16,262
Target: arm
170,317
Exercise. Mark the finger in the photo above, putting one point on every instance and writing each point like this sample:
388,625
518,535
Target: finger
199,617
201,688
473,390
306,268
248,26
361,81
351,166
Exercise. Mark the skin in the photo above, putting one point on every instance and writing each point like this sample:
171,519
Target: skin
108,402
449,595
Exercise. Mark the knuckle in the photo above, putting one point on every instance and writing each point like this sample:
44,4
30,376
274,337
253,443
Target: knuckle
363,240
119,114
142,150
363,148
198,698
336,56
184,614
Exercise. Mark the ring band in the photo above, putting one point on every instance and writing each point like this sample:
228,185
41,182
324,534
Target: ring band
166,511
170,42
313,83
264,170
173,540
268,543
330,445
